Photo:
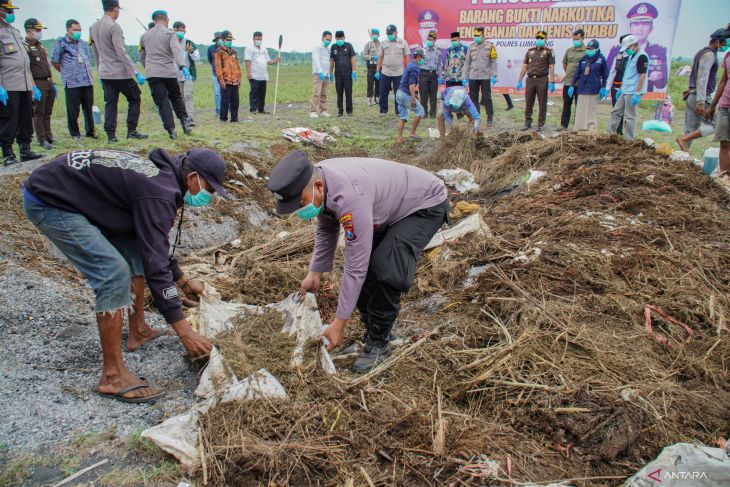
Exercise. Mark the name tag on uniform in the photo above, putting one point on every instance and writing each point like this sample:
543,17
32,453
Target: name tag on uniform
10,47
587,70
81,60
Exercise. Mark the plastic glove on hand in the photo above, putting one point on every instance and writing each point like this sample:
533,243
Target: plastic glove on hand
465,83
551,87
571,90
377,75
322,76
375,58
55,90
186,73
354,76
37,95
3,96
441,81
603,94
140,78
494,80
635,99
618,93
332,78
519,86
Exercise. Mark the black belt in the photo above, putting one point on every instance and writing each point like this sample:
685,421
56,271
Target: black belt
42,79
535,77
429,70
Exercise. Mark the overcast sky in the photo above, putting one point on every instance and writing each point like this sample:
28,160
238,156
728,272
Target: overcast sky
302,22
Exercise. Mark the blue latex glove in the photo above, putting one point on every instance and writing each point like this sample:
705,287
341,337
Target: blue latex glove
441,81
494,80
55,90
375,58
551,87
377,75
465,83
635,99
519,86
140,78
571,90
332,78
3,96
603,94
618,93
37,95
186,73
354,76
322,77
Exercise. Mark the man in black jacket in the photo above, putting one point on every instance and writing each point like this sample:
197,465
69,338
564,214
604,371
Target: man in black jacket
344,68
110,213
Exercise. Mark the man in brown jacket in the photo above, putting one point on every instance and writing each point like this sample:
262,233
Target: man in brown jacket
228,70
40,69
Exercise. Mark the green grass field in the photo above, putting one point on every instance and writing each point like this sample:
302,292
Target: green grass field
366,130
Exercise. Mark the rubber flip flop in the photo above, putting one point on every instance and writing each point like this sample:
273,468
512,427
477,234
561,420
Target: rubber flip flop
119,395
160,333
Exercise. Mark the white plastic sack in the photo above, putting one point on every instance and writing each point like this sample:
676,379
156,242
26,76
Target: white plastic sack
459,179
216,376
258,385
303,134
178,436
471,224
685,465
214,315
303,321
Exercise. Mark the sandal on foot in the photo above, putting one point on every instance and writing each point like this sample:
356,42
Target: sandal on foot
119,395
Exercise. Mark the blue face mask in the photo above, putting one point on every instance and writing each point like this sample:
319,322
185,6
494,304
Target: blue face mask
590,52
9,18
309,211
327,42
421,62
340,42
76,35
540,43
202,198
629,52
577,44
429,43
478,39
391,37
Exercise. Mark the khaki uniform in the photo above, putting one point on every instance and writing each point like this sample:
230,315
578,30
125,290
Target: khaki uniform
538,61
40,69
479,67
16,118
571,58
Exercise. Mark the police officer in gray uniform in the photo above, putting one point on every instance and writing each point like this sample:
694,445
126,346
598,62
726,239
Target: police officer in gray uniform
17,89
162,57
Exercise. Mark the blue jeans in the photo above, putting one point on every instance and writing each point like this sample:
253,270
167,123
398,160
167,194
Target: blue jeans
216,94
108,264
403,102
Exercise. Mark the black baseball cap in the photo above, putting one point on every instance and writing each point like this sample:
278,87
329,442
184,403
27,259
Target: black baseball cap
110,4
340,34
593,44
719,34
211,166
288,180
391,29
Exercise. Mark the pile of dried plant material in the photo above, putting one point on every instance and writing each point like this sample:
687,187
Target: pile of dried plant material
461,148
585,334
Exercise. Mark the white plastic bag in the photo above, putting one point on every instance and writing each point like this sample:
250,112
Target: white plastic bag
685,465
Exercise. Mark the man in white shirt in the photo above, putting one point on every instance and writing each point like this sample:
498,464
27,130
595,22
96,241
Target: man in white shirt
257,70
320,76
192,56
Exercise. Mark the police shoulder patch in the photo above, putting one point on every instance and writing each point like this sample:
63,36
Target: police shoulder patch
348,226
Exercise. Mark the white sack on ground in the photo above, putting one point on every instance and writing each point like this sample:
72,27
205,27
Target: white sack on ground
473,223
685,465
459,179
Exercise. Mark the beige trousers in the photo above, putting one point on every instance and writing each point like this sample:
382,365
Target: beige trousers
319,94
187,89
586,114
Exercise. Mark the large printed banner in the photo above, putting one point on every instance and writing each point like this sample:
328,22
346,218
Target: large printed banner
512,25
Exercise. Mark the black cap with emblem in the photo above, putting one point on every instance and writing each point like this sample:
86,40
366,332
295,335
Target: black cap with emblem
34,24
288,180
211,166
110,4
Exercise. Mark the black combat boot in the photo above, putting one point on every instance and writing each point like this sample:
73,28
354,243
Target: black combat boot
26,154
9,155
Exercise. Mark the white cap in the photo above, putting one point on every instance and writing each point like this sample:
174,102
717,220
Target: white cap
628,41
457,98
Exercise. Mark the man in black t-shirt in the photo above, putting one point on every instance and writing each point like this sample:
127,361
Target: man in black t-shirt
343,65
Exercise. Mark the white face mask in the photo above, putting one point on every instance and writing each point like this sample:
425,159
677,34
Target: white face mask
38,35
257,43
